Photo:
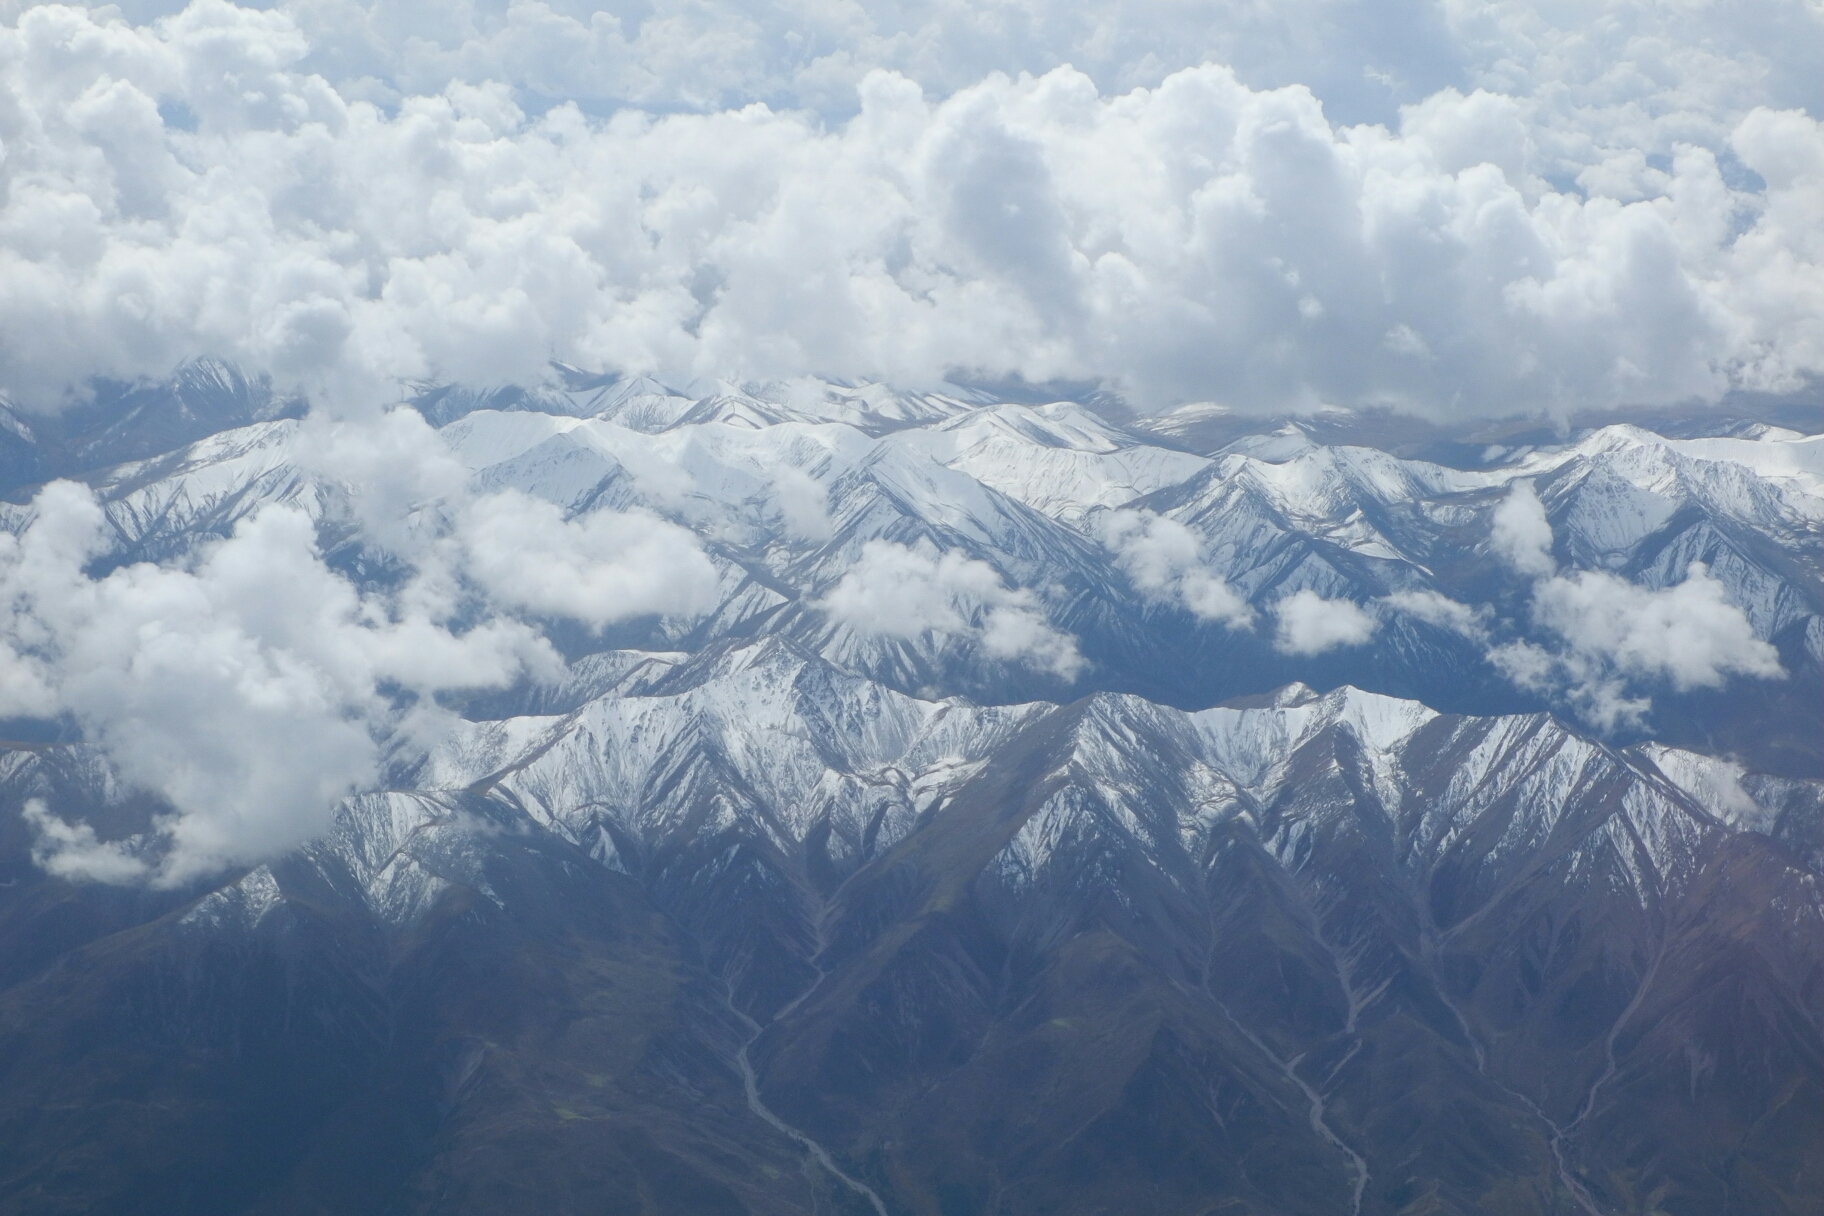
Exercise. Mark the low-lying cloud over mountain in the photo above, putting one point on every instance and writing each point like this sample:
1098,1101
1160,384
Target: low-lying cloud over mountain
251,688
358,197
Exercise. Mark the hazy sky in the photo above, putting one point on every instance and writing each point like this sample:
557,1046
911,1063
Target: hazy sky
1448,207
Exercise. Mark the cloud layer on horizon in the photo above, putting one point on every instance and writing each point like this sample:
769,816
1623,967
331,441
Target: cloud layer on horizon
1579,231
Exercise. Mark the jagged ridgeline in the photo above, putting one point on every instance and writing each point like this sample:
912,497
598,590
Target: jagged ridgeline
764,910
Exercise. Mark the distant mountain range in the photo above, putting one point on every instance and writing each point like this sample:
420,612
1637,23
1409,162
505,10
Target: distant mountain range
1270,831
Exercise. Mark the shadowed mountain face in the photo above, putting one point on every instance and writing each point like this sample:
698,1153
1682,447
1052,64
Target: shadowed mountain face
124,422
760,915
1337,953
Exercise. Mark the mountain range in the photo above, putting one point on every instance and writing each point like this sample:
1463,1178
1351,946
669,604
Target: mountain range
1257,816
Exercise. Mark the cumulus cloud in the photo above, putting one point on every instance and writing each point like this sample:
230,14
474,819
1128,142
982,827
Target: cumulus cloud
389,469
1627,73
1616,636
1521,535
1592,689
803,504
1613,636
1440,610
1165,561
598,568
1688,635
1310,624
909,593
74,851
251,688
25,682
1199,238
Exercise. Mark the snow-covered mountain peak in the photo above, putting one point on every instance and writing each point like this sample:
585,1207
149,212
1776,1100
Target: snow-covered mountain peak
1184,419
13,422
1273,447
1062,424
875,408
1239,737
1058,459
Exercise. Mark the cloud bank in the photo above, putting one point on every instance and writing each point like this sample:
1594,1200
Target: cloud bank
1620,72
195,184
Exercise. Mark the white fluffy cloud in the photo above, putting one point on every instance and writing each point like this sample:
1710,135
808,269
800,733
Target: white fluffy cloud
245,688
191,185
1440,610
1688,635
598,568
1632,73
1165,561
1310,624
803,504
1617,636
390,468
1520,534
899,591
1585,683
252,686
